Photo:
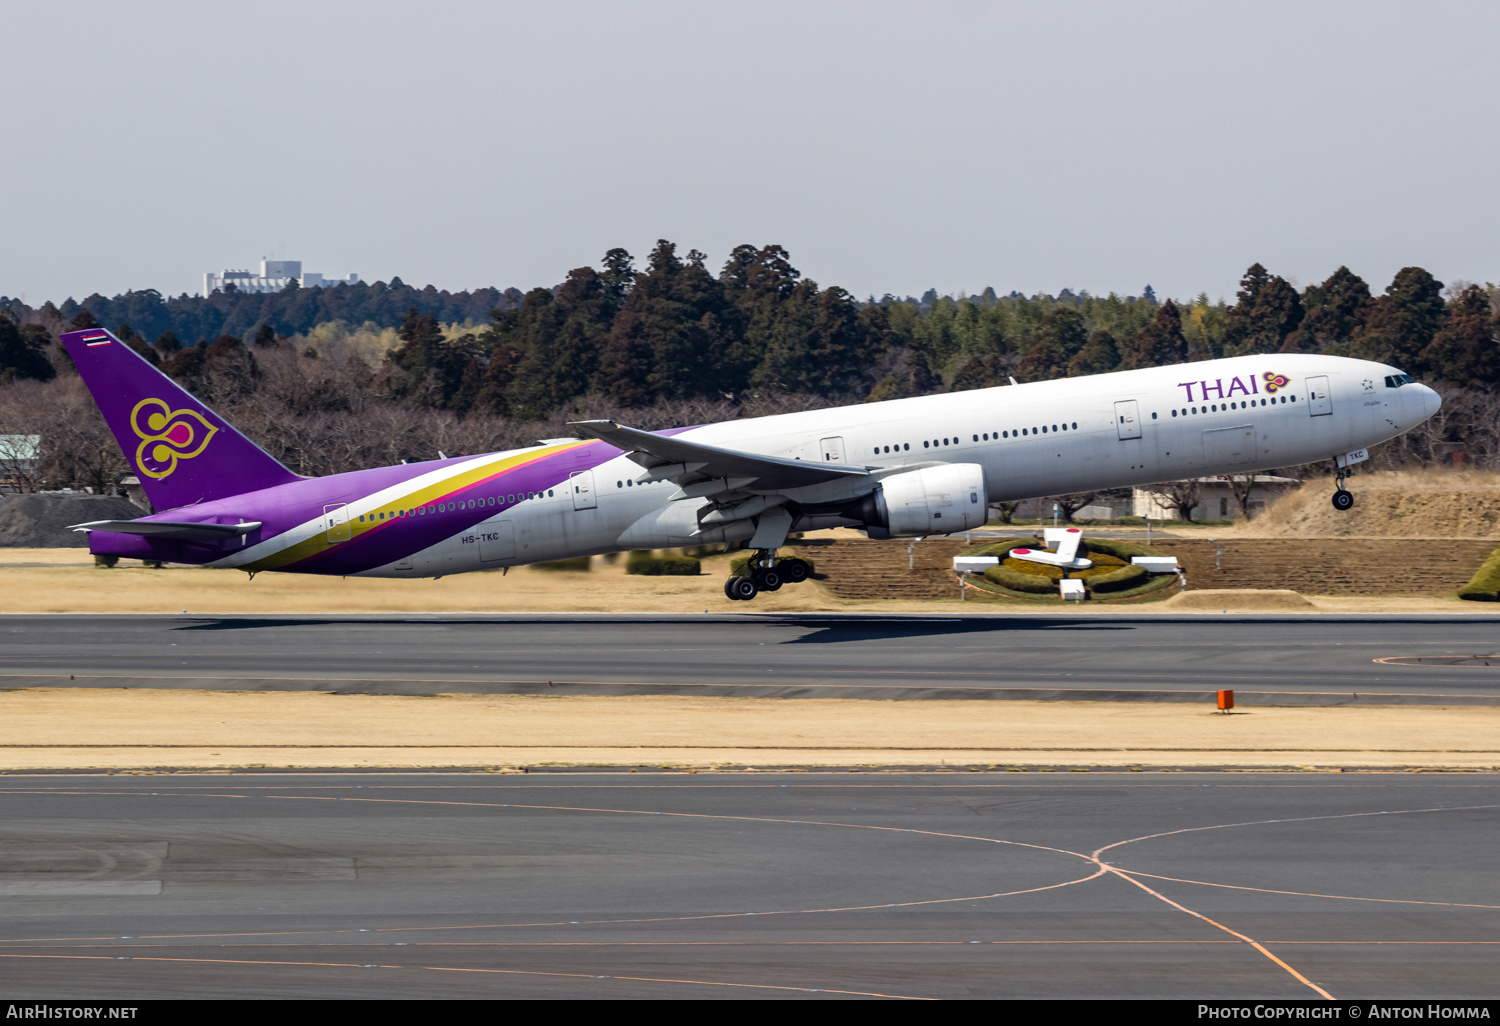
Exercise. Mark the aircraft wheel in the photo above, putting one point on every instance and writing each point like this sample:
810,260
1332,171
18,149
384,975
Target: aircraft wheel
1342,500
768,579
793,571
740,589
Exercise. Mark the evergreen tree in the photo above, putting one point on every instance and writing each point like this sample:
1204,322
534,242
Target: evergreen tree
557,341
1268,310
1403,322
619,272
426,369
662,343
760,284
1060,337
1336,309
1100,355
816,342
23,352
1466,351
1159,343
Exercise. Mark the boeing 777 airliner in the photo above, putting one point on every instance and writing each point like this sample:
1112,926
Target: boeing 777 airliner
905,468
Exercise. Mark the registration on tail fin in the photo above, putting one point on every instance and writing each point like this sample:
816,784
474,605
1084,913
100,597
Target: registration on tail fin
182,450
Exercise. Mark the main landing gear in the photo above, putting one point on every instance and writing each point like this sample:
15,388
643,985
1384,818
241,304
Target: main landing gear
766,573
1342,499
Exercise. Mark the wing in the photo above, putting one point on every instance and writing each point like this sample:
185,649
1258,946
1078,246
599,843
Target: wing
713,469
176,531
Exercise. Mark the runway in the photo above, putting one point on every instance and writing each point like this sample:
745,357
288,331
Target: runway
1270,659
756,885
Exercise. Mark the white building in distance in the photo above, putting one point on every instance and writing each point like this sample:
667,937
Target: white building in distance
1216,498
274,276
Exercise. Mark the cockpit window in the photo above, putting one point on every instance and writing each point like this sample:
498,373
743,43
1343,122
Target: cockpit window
1397,380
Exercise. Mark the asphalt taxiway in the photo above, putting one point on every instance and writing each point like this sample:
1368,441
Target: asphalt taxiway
1272,659
1175,885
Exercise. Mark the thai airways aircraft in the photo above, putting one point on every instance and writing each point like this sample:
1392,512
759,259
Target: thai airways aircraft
905,468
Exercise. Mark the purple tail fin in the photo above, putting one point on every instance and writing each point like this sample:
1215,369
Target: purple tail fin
182,450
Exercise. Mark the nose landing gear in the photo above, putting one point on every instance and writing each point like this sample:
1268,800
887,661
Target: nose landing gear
766,573
1342,498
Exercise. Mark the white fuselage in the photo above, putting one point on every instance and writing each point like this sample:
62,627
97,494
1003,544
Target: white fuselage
1128,428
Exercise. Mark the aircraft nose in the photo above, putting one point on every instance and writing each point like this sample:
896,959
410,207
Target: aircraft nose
1431,401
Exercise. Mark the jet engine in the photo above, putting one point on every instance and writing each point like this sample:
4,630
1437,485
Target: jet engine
933,500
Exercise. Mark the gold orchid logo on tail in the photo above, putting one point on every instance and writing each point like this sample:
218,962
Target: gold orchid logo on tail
167,435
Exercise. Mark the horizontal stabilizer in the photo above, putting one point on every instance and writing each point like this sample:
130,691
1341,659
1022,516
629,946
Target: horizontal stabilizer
707,462
171,530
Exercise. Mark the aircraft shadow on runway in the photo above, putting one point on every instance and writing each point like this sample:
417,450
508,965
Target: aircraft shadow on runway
821,629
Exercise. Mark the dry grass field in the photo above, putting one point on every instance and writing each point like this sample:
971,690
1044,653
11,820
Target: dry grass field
1409,504
138,729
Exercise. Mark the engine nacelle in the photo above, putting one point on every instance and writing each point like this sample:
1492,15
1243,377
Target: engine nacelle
933,500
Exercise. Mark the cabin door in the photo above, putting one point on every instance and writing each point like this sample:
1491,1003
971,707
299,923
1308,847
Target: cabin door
336,522
1319,399
1128,419
833,450
583,490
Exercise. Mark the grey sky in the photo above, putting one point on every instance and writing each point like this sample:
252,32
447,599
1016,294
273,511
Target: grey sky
889,147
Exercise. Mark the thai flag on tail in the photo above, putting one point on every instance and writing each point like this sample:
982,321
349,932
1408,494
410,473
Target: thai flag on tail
100,339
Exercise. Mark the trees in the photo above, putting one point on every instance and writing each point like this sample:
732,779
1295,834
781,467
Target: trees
426,369
673,335
546,352
1071,503
1335,310
1059,338
761,285
1466,350
1100,355
167,345
1160,342
23,351
1181,496
1241,486
1268,310
1402,322
817,344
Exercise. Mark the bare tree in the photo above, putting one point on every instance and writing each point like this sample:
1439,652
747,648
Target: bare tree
1240,486
1072,503
1181,496
19,425
1005,510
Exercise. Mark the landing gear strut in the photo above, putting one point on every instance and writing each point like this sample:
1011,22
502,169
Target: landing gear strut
765,573
1342,499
